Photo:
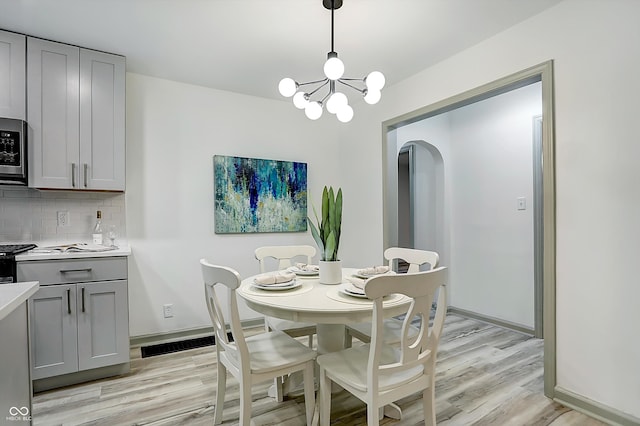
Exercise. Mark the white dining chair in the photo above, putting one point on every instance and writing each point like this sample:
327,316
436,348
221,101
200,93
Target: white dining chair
252,359
378,373
284,256
415,259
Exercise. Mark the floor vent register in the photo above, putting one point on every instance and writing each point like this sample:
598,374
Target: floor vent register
183,345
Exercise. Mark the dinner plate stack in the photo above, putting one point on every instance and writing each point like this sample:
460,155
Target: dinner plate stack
288,285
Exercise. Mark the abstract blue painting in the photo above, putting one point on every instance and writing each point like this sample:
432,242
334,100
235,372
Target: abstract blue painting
258,195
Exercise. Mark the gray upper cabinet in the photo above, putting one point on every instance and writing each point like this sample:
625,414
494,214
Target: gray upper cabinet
102,117
76,112
53,114
12,75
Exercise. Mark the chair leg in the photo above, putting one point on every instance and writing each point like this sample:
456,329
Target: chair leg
309,391
279,384
278,381
311,341
348,338
373,415
245,401
325,398
221,388
429,406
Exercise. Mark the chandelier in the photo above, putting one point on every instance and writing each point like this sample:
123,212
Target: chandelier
312,99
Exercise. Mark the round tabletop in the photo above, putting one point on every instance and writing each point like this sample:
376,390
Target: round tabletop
313,302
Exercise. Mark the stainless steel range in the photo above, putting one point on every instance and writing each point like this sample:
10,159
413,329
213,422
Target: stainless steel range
8,260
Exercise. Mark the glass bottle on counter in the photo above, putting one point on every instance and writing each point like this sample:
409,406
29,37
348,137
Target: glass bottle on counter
97,229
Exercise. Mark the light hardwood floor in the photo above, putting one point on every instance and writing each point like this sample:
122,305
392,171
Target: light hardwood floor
486,375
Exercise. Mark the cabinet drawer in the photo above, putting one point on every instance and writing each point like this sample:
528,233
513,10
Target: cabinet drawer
73,270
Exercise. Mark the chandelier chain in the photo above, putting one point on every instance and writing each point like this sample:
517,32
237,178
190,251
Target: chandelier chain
332,10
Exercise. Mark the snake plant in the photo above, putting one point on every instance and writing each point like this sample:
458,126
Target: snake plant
327,231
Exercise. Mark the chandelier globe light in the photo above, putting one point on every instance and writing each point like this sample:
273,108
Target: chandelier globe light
307,95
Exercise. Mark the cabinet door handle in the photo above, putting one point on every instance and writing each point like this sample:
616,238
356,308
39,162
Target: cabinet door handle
69,301
82,299
73,175
65,271
86,176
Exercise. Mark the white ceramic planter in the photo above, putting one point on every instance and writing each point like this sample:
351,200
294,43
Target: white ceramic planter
330,272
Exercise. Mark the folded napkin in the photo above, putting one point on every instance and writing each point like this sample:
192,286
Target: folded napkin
274,278
374,270
358,283
307,268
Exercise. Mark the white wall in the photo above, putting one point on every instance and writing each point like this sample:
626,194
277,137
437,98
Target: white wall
492,241
173,132
595,46
427,205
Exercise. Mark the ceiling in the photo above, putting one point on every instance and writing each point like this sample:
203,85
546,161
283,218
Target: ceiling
247,46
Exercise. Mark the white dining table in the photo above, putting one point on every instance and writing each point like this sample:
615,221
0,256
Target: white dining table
322,304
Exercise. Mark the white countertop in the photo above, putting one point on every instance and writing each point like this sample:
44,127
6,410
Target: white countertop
13,295
39,254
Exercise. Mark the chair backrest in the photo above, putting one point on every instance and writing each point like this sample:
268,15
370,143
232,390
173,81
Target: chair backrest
283,254
216,276
414,257
415,349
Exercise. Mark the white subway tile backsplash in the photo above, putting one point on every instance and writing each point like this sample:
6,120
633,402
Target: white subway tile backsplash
28,215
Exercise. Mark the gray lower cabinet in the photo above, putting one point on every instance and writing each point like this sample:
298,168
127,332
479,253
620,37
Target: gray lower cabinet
103,324
79,318
54,337
79,327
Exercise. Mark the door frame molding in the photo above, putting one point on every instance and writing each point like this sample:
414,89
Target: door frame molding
410,148
539,73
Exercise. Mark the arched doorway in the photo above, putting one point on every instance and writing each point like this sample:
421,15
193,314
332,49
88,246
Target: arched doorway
421,204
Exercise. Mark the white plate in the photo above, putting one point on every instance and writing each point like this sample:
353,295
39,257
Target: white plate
344,289
280,286
302,272
367,276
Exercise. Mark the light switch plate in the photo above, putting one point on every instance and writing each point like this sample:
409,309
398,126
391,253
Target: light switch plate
522,203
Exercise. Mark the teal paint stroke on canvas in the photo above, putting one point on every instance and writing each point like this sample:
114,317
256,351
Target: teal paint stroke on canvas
259,195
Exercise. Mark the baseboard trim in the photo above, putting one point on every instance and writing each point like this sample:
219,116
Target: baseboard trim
491,320
594,409
40,385
175,336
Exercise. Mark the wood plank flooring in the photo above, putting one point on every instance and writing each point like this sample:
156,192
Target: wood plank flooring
486,375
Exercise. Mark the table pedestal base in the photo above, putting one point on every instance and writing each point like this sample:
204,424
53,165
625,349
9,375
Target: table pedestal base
330,338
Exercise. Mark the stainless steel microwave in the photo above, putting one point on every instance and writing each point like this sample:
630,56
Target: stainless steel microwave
13,152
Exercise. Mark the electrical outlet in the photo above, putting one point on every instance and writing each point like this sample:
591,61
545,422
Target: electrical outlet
168,310
63,219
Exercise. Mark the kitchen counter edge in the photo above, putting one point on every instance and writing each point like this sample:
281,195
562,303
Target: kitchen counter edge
119,252
14,294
